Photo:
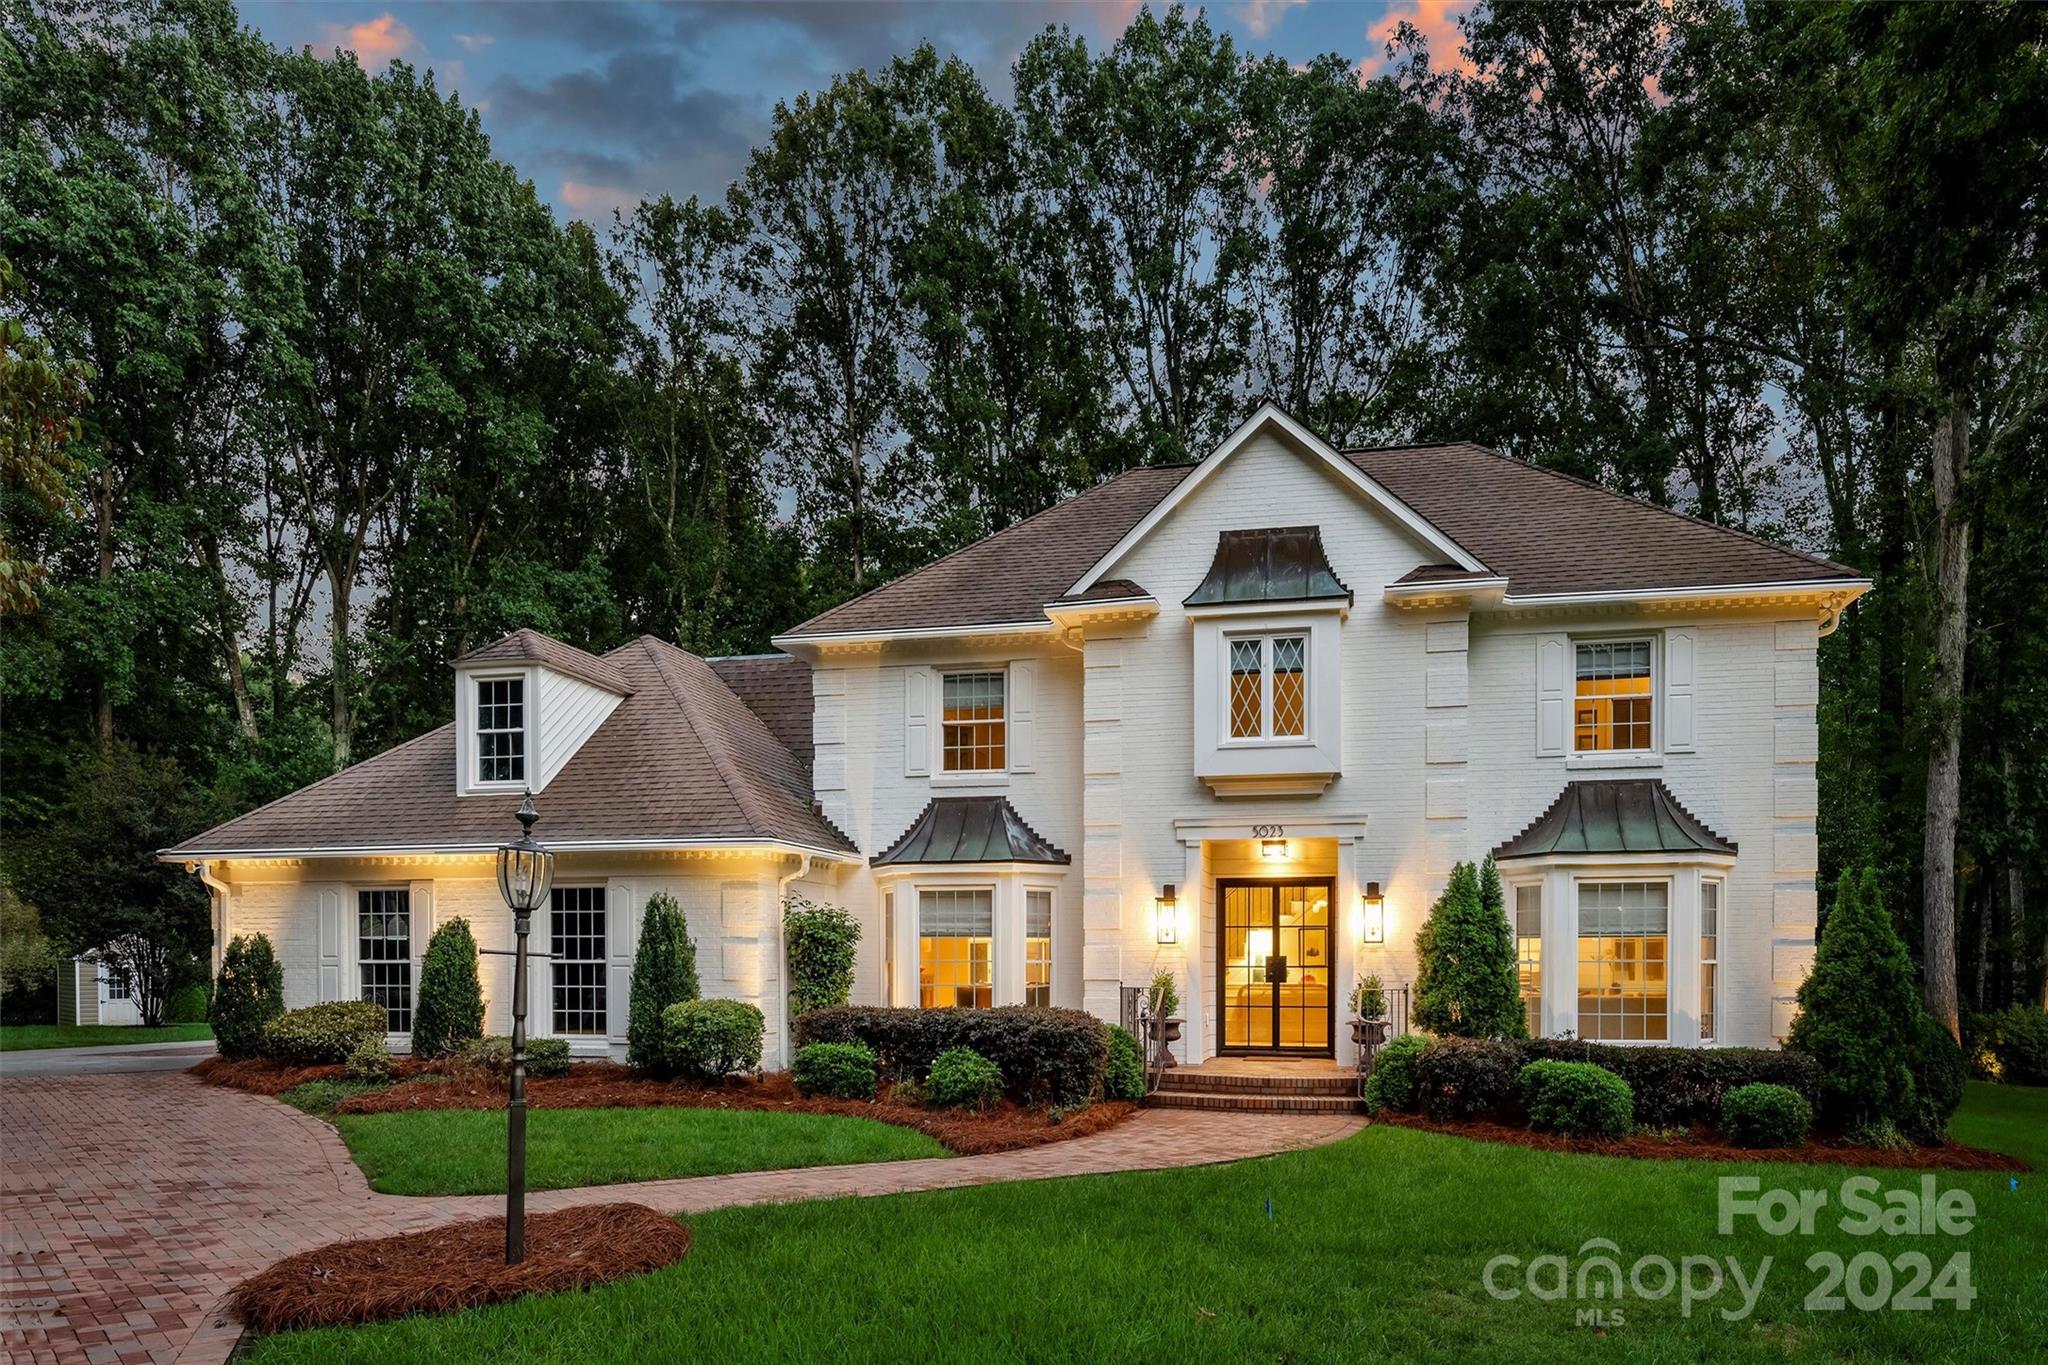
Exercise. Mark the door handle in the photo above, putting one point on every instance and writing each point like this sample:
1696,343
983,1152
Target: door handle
1276,970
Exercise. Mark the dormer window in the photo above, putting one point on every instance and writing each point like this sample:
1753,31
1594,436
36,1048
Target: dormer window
501,729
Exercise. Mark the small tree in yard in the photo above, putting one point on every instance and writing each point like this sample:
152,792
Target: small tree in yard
1465,984
1858,1010
664,974
451,998
821,941
247,995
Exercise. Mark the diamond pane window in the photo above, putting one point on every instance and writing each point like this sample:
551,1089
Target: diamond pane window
1038,948
576,937
1611,708
1624,929
973,738
501,730
1269,687
1247,685
384,954
1290,686
954,932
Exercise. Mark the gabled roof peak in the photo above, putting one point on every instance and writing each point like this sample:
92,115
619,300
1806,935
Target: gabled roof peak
529,646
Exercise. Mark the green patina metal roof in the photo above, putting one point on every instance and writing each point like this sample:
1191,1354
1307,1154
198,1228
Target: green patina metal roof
1637,815
1277,564
970,829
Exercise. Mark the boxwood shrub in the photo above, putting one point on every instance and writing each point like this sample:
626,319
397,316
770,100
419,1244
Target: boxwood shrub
322,1035
1392,1084
1046,1056
1936,1060
962,1078
1765,1116
845,1071
544,1056
1681,1086
1123,1077
1577,1099
1463,1078
705,1040
247,995
370,1063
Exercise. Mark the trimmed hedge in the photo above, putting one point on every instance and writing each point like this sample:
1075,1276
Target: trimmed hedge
1766,1116
322,1035
188,1004
370,1063
247,995
1677,1087
1393,1083
1046,1056
1577,1099
845,1071
1859,1010
450,1011
1463,1078
1123,1077
962,1078
705,1040
2009,1045
544,1056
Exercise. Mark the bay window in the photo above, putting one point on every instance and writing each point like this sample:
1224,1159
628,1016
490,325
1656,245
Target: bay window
1529,953
1710,954
1623,957
955,936
1038,947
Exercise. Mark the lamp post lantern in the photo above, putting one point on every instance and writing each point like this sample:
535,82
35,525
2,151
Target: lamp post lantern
525,872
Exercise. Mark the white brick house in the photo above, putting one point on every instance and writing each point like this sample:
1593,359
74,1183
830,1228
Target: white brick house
1294,685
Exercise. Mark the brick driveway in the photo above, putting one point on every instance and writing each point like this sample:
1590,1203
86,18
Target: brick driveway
130,1203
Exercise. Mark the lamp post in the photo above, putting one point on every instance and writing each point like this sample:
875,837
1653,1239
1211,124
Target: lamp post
525,872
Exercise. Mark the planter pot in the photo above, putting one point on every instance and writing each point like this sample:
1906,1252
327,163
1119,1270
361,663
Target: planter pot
1369,1033
1165,1031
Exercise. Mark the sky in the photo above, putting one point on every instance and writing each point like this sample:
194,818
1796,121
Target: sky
604,104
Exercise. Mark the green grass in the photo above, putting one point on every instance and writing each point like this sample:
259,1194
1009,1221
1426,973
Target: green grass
32,1037
1372,1249
462,1151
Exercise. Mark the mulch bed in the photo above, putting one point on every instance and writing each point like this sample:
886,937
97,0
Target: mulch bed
607,1085
460,1265
1702,1144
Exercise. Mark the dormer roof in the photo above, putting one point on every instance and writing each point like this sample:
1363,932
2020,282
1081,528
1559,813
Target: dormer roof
532,647
1277,564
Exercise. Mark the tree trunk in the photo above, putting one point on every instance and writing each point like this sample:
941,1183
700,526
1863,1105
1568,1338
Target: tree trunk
339,717
103,517
1951,460
230,639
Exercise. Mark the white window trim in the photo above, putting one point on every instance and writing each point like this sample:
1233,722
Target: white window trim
352,909
1052,938
469,756
1720,885
1652,757
1671,924
1266,739
1544,966
968,777
541,1021
1007,883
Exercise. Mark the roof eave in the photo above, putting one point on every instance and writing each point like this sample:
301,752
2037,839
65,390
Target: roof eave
191,856
809,647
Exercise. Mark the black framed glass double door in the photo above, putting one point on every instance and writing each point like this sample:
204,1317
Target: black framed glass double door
1276,968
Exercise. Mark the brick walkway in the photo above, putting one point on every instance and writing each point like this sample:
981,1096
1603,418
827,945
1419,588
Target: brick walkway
130,1203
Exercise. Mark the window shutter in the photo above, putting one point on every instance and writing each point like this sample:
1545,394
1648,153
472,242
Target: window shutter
1553,693
1681,711
622,939
917,722
330,943
1020,715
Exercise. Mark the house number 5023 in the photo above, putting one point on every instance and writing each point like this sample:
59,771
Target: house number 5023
1269,831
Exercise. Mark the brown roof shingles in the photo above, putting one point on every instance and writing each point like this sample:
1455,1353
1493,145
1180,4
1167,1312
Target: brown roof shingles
531,647
777,688
681,758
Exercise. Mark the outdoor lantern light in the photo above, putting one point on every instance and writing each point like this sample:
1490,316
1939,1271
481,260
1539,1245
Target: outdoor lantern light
525,873
1273,848
1373,914
1166,916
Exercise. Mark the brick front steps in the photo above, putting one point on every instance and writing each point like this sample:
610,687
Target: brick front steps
1259,1087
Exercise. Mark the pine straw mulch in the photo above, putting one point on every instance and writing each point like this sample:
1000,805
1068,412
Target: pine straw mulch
607,1085
456,1266
1702,1144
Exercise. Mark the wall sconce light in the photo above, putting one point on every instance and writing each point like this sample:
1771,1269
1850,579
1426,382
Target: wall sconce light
1166,916
1372,914
1273,849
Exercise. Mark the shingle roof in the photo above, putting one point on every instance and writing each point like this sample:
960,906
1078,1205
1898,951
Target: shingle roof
1106,590
777,688
1547,532
681,758
1631,815
970,829
1443,573
1011,575
1276,564
1543,531
532,647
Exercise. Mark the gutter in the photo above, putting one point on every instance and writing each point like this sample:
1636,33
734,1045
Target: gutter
194,856
219,888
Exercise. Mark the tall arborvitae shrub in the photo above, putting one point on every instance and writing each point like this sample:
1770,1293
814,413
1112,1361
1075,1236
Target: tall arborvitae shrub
1465,983
247,995
451,997
664,974
821,940
1859,1014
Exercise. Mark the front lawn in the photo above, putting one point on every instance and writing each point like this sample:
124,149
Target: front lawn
1370,1249
31,1037
462,1151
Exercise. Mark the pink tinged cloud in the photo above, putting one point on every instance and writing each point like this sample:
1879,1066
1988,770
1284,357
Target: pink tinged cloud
596,201
475,42
1435,20
1260,15
373,41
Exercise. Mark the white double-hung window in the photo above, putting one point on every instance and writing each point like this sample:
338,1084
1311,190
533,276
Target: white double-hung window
501,729
1624,982
973,733
1268,691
